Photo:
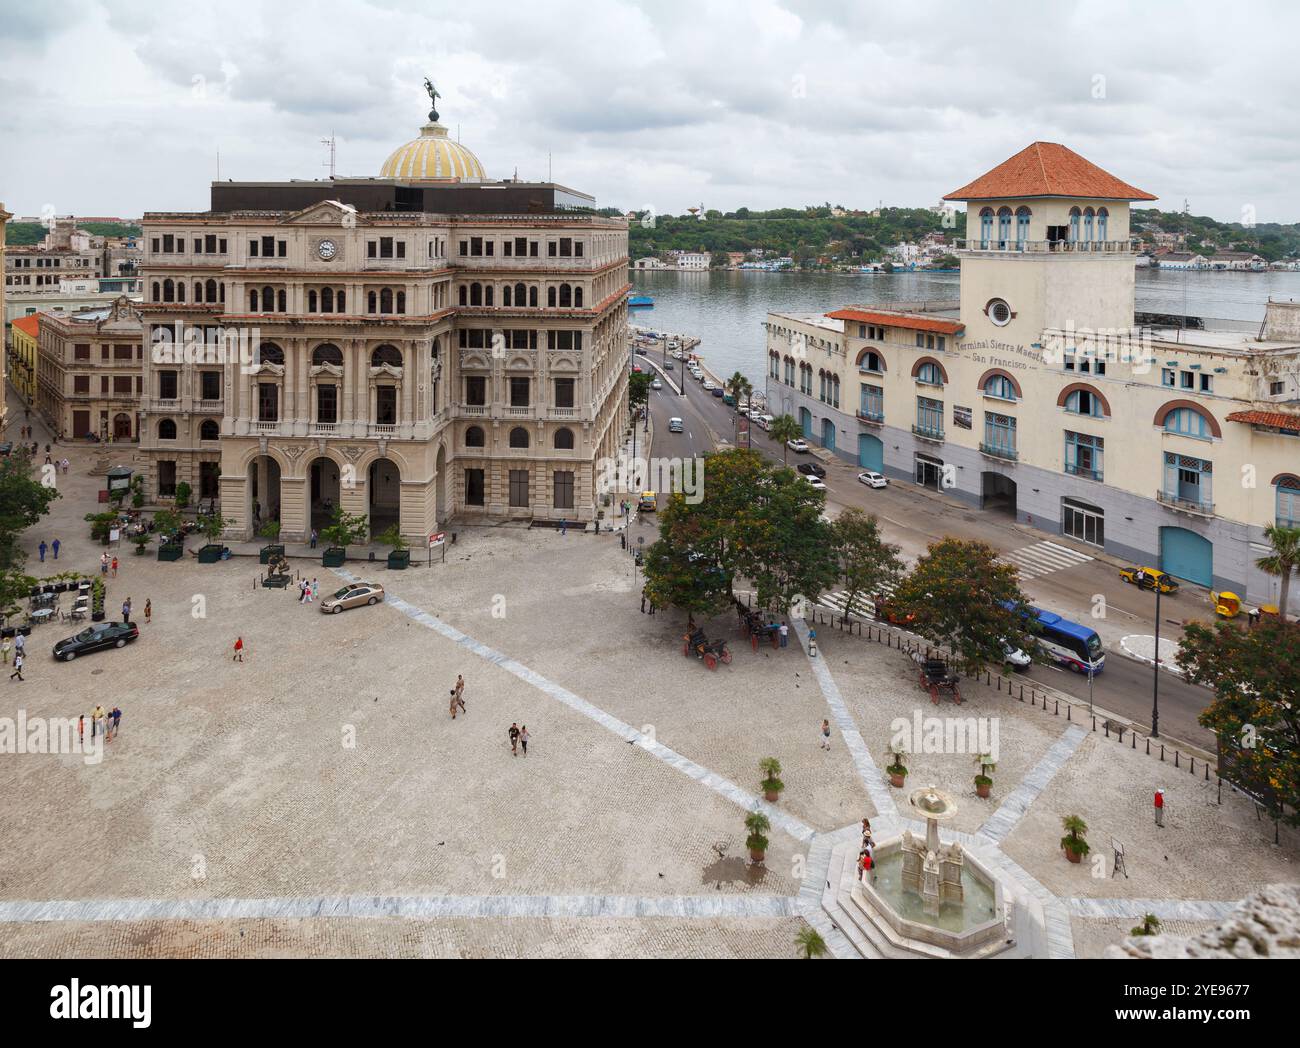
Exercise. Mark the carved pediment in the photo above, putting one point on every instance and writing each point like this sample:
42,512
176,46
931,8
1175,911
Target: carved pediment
326,369
562,362
386,371
519,363
275,370
475,360
326,213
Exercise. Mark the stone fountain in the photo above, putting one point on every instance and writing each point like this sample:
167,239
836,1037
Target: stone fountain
931,869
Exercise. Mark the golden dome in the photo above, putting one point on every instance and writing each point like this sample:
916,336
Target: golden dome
433,157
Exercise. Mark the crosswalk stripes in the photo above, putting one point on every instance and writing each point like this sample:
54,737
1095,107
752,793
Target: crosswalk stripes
1043,558
864,607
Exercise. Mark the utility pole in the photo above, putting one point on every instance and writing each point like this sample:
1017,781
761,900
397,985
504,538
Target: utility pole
330,164
1155,684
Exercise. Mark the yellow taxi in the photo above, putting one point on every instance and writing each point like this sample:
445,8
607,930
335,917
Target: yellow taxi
648,502
1149,579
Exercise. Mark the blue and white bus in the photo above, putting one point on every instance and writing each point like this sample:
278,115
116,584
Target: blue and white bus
1074,646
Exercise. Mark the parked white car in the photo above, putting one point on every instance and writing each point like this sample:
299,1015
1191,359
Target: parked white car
814,481
710,385
762,421
873,480
798,444
656,384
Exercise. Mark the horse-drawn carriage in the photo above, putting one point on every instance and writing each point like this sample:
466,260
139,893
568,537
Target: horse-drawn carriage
934,677
712,652
753,623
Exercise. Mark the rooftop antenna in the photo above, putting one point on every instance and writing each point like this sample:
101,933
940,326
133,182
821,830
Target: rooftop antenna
549,177
329,142
218,164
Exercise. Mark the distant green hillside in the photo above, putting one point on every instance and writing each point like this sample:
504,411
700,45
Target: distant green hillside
22,234
1269,240
801,233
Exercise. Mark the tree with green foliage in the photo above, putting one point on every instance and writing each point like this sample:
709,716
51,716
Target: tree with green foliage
183,493
810,943
868,564
23,502
166,522
783,429
638,389
1255,676
739,387
1283,560
391,536
211,525
966,600
345,529
783,543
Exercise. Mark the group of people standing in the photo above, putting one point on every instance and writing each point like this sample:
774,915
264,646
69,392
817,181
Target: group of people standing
516,733
308,591
867,856
101,723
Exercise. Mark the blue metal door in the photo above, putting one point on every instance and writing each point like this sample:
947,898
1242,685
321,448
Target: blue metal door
828,434
805,420
1185,555
871,453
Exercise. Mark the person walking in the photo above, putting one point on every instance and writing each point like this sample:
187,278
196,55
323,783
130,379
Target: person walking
314,536
103,564
41,550
20,646
18,667
5,645
314,592
66,464
513,732
116,715
1160,807
302,591
126,611
148,610
452,704
54,546
643,602
523,738
239,650
114,567
460,690
825,741
564,527
785,634
81,731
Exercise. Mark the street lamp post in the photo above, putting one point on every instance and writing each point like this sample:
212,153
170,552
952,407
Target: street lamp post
1155,683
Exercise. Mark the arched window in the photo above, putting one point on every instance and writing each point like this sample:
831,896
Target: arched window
566,296
476,294
1188,422
270,353
1022,226
327,353
180,291
930,375
372,302
564,440
532,297
1103,216
211,295
167,429
462,294
252,300
157,292
986,226
474,437
311,301
506,297
198,291
1004,226
1000,386
489,295
577,297
550,296
401,301
870,362
386,354
1087,224
327,300
386,300
521,295
1075,215
169,291
268,300
519,437
1288,501
209,429
1084,402
340,302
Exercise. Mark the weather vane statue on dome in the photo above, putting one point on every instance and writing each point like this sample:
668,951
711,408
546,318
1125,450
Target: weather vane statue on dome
433,98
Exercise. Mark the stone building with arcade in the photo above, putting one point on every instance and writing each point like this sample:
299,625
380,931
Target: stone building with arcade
416,347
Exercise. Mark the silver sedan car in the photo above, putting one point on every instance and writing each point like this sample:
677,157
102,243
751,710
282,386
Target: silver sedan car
353,595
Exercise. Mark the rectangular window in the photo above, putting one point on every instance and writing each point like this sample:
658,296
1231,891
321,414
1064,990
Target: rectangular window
929,417
1186,380
401,248
210,385
566,247
577,249
476,246
372,249
81,383
521,246
123,352
103,383
552,249
198,246
81,351
474,486
1189,481
268,403
519,392
1207,384
476,391
519,487
327,403
1276,389
386,406
532,249
872,405
1084,455
169,243
252,249
122,384
168,385
268,247
508,248
464,247
385,247
210,244
563,489
490,248
564,392
1166,376
999,435
221,246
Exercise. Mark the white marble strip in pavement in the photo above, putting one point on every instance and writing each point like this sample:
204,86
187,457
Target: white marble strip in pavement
1017,802
718,783
1165,909
400,906
810,893
870,775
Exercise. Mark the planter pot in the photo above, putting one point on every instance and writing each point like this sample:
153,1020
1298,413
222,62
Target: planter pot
334,557
399,560
171,552
267,552
139,551
981,790
757,856
771,796
211,553
1073,856
897,781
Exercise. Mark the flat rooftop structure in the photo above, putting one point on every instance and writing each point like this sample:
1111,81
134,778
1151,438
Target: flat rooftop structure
389,194
1222,341
820,320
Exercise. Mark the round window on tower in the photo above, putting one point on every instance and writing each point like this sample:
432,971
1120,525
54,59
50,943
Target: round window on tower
999,312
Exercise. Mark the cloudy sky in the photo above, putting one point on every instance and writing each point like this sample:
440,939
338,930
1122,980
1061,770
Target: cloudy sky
115,107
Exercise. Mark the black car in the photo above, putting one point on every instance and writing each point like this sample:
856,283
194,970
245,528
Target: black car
811,469
640,350
95,636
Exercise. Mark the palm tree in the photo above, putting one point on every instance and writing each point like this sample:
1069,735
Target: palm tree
782,429
812,944
1283,561
740,387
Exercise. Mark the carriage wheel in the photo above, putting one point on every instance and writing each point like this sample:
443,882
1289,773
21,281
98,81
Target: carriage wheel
934,694
710,660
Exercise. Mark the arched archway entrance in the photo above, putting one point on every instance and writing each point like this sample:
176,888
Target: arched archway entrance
323,490
121,427
1187,555
805,422
828,434
997,493
871,453
263,491
385,494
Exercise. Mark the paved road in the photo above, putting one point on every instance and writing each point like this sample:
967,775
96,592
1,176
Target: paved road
913,518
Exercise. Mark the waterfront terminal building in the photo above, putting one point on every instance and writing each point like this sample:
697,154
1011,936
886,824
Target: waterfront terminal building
1038,396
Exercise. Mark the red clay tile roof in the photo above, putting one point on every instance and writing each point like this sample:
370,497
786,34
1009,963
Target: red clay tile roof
899,320
30,324
1048,169
1266,418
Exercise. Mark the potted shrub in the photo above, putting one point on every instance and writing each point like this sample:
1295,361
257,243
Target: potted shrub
167,522
343,529
270,530
97,592
1150,925
400,557
896,771
810,943
982,781
211,525
101,524
183,492
137,492
141,542
1073,843
772,784
757,825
